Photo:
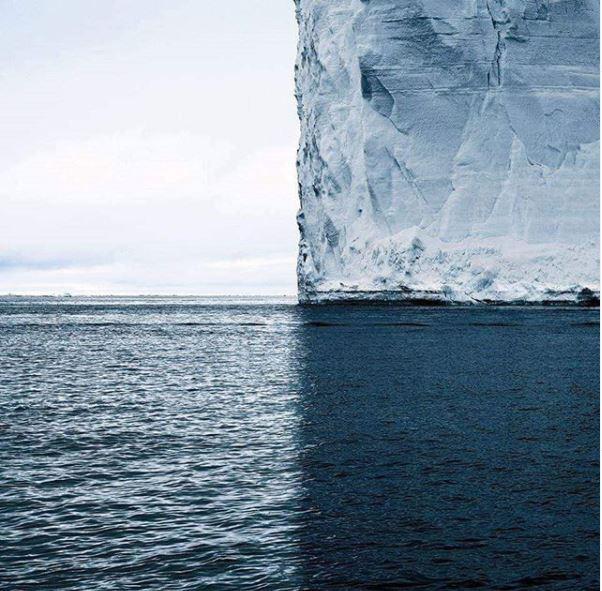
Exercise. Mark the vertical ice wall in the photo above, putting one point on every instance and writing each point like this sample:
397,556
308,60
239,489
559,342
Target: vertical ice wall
449,150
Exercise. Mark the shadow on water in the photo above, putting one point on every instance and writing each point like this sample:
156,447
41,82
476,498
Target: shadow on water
172,445
462,454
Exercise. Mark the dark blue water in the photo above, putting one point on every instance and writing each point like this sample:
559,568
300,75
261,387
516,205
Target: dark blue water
253,444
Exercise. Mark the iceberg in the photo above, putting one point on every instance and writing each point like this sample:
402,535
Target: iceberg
449,151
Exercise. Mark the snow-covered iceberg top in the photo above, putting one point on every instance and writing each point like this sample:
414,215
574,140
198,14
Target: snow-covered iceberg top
449,150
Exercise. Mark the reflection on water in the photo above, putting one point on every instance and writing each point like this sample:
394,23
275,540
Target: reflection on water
252,444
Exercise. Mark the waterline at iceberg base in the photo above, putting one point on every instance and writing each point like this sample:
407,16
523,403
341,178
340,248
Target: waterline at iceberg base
449,151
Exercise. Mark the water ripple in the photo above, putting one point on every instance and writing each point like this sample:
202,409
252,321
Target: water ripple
151,443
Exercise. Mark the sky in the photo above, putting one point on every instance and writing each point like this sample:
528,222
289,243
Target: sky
147,147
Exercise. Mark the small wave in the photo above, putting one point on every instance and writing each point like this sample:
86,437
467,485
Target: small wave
493,324
403,324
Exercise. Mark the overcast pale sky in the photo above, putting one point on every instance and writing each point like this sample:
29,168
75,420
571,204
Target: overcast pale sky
147,146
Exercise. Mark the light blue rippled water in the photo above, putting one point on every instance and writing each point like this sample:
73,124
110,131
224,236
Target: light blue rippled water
232,443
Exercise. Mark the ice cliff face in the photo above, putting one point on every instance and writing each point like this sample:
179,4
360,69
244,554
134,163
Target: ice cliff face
449,149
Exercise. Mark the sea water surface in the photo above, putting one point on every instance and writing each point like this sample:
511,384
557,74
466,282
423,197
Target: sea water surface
247,443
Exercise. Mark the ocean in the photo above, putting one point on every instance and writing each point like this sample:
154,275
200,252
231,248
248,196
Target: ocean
251,443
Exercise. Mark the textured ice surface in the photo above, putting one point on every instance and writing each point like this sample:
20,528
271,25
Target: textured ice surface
449,149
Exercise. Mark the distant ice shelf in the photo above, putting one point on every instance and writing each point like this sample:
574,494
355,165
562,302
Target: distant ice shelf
449,150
